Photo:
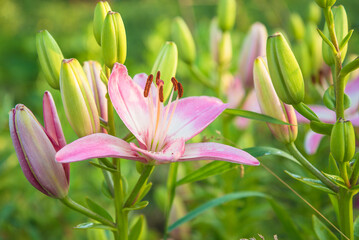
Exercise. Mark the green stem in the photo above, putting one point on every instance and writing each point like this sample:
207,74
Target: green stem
294,151
146,172
345,203
200,76
81,209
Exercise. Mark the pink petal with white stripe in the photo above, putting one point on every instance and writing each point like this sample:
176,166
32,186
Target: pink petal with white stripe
98,145
129,102
192,115
312,141
217,151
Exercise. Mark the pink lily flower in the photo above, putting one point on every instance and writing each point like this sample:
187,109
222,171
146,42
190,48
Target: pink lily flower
161,131
313,139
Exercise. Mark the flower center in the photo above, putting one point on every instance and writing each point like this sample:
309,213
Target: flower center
160,117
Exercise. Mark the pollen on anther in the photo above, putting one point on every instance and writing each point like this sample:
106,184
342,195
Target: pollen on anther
180,89
158,75
148,85
175,83
161,93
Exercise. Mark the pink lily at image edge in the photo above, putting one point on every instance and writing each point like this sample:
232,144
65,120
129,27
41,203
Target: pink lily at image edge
161,131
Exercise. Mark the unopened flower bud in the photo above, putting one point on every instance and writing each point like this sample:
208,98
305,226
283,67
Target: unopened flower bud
101,10
226,14
36,147
271,105
215,36
341,30
225,50
301,52
314,43
314,13
284,70
297,26
184,40
342,141
325,3
113,39
77,98
50,57
166,64
254,46
93,72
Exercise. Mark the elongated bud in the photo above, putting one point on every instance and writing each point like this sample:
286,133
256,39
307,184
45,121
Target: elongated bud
284,70
50,57
36,152
297,26
225,50
254,46
101,10
272,106
342,141
341,30
301,52
78,100
215,36
93,72
166,64
325,3
226,14
314,13
183,38
113,39
314,43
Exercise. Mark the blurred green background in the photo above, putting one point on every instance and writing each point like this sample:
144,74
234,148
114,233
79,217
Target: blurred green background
27,214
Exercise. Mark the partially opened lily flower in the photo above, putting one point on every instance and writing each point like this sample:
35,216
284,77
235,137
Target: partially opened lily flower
161,131
313,139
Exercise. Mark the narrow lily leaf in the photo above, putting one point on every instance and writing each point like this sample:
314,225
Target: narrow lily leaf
311,182
219,167
138,229
336,179
326,40
356,228
144,191
106,191
322,232
283,215
98,209
171,185
90,225
345,40
103,167
254,116
137,206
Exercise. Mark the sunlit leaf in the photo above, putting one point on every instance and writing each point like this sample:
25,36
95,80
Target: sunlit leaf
311,182
322,232
254,116
98,209
90,225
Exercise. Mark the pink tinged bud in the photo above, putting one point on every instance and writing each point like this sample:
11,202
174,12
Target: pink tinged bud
36,154
215,37
272,106
98,87
254,46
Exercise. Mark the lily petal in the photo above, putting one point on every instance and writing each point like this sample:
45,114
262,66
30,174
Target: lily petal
129,102
192,115
172,152
352,90
355,119
217,151
96,145
312,141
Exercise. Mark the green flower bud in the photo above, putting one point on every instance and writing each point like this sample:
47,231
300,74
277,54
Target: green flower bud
342,141
314,43
183,37
325,3
301,52
101,10
329,99
226,14
50,57
166,63
341,30
297,26
225,50
77,98
113,39
284,70
314,14
272,106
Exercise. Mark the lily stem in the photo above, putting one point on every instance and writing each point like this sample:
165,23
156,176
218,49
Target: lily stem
85,211
295,152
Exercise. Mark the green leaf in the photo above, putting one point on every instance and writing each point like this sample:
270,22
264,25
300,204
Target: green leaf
90,225
322,232
356,229
311,182
208,170
326,40
144,191
98,209
254,116
106,191
103,167
345,40
137,206
137,230
336,180
266,151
